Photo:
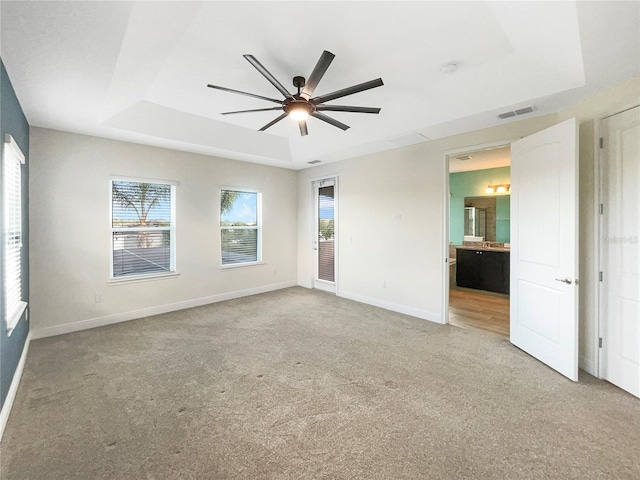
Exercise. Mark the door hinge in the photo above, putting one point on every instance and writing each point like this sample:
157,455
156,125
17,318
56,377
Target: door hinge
601,208
600,342
600,276
601,142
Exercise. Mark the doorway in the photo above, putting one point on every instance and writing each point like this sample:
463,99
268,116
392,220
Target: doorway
543,267
325,213
479,240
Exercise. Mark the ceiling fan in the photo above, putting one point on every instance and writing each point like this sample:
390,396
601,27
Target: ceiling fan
300,106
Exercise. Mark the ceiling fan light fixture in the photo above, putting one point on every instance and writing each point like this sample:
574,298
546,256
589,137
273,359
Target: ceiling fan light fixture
298,109
299,114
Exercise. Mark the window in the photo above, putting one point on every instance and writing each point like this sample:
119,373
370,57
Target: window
240,227
325,191
142,228
12,161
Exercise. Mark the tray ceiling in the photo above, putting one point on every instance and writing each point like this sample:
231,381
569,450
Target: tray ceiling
138,71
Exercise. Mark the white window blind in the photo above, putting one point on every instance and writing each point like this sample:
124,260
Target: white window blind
142,228
240,227
13,159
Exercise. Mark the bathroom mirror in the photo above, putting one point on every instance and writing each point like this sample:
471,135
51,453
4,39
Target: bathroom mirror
491,217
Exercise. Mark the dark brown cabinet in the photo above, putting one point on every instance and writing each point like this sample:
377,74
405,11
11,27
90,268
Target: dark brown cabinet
483,269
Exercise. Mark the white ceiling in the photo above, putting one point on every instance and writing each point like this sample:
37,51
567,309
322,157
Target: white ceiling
481,159
138,71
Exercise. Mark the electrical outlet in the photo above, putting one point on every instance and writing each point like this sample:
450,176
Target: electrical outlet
384,284
98,297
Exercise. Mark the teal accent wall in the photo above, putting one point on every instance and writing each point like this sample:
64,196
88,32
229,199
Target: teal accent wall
473,184
503,218
13,122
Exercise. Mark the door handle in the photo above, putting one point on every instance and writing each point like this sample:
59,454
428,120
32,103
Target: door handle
566,280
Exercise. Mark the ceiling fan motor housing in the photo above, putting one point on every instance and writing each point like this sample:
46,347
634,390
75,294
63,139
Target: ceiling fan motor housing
298,104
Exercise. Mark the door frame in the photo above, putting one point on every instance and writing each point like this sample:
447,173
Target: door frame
446,196
336,231
599,322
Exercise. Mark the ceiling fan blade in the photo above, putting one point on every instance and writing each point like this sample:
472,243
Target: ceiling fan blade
330,120
344,108
225,89
254,110
361,87
252,60
273,122
303,128
318,72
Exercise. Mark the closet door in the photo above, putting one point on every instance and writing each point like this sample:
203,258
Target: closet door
620,250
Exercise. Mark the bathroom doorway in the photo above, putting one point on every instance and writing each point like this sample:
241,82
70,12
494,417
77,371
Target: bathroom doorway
479,239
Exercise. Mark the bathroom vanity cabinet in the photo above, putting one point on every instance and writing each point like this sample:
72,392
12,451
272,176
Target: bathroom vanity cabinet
483,269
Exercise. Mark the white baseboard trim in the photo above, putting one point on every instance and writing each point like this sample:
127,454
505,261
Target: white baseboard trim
394,307
13,388
147,312
587,365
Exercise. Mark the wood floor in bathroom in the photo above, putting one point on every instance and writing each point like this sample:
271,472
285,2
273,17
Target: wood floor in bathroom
477,309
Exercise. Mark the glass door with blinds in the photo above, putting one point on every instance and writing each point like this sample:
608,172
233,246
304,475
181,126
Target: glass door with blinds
325,229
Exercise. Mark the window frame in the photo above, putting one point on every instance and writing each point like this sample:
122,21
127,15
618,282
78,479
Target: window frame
11,152
135,277
257,227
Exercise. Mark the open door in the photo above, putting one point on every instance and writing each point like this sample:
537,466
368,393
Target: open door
544,246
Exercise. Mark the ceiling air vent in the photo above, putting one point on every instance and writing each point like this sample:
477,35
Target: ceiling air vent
521,111
313,162
524,110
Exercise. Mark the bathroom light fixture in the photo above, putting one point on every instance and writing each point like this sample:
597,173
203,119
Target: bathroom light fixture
500,188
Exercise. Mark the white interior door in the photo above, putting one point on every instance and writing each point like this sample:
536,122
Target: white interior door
544,246
620,250
325,234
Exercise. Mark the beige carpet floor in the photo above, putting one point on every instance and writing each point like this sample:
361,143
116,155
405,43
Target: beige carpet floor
299,384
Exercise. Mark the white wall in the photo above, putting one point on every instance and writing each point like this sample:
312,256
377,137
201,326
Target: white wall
408,254
391,224
70,231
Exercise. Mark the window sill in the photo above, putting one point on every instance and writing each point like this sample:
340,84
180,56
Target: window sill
13,320
141,278
233,266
